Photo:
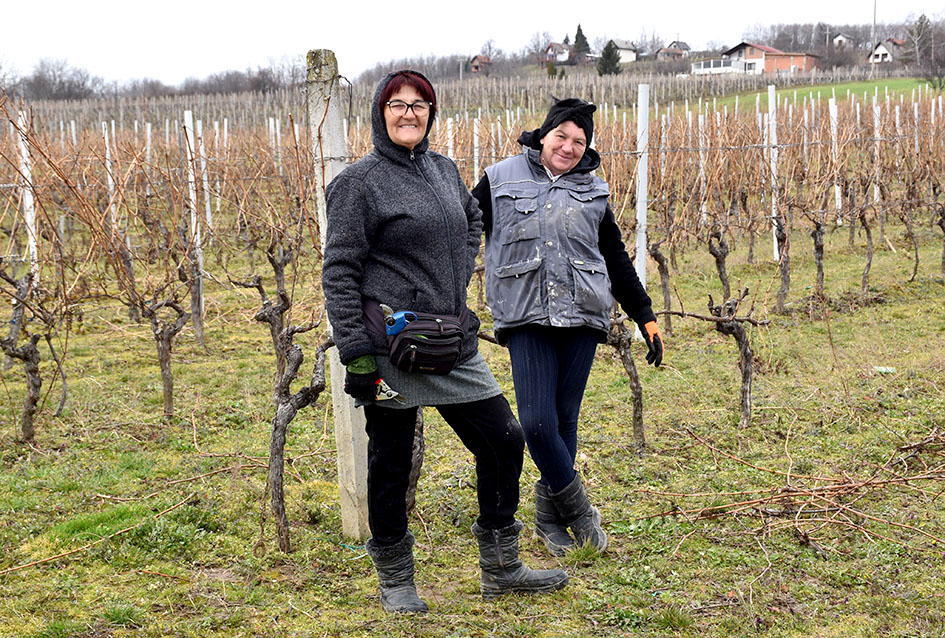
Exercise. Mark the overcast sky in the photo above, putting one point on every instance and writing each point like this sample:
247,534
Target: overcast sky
176,39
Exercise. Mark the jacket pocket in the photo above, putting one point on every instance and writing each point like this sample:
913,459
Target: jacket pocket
592,295
517,292
514,213
587,205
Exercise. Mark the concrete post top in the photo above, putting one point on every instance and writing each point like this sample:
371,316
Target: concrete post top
323,59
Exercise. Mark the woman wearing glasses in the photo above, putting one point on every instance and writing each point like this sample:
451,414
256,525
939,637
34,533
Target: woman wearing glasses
404,231
555,262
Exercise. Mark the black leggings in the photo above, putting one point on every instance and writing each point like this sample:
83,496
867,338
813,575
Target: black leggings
487,428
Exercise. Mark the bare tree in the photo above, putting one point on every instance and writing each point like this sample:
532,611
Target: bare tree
535,49
56,80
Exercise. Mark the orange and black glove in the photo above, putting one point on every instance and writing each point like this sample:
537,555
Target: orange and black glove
654,343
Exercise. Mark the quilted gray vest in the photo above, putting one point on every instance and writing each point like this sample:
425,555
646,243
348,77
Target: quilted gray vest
543,265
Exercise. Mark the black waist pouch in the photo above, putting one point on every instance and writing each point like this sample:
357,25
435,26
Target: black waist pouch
430,344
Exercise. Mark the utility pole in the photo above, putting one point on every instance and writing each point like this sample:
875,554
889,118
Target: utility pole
873,42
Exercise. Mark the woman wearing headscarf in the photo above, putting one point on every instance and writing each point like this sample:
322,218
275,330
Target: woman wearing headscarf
402,238
555,262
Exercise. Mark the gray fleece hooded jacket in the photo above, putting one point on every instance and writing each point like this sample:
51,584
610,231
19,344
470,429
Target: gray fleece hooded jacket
403,230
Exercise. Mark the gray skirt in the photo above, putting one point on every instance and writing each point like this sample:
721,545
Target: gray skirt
471,380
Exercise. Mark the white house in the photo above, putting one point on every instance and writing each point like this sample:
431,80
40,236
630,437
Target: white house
842,40
627,50
559,53
880,54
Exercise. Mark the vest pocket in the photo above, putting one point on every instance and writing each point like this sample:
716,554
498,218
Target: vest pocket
592,294
517,294
588,192
516,219
588,203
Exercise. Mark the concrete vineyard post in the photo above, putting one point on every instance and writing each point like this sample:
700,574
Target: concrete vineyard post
224,158
773,165
204,180
876,133
450,151
27,200
475,168
703,141
191,175
643,140
279,146
915,126
835,151
147,161
197,301
109,179
329,150
493,144
217,161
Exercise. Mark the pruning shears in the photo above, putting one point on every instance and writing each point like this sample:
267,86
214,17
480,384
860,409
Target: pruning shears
396,321
384,392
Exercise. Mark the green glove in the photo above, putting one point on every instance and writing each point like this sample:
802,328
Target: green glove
361,378
363,364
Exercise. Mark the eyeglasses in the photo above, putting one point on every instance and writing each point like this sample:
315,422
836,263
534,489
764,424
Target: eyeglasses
399,107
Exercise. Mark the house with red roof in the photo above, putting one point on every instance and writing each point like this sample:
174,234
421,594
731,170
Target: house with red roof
758,59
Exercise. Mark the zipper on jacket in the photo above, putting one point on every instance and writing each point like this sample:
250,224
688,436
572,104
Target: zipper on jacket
445,216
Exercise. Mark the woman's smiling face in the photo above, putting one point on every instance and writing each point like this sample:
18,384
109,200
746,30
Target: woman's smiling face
406,130
563,147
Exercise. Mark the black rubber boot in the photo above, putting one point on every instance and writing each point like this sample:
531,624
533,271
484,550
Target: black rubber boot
503,571
578,514
549,526
394,565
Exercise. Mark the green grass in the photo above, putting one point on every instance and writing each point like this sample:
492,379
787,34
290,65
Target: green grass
895,87
821,408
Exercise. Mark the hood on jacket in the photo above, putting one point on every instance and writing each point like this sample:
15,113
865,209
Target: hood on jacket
379,136
589,162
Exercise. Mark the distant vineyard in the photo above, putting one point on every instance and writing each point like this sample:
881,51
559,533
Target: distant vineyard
707,163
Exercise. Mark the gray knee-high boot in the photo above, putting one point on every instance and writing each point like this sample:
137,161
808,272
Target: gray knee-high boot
578,514
549,525
503,571
394,565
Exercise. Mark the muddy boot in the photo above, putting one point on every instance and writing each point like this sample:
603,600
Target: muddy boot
503,571
549,525
578,514
394,564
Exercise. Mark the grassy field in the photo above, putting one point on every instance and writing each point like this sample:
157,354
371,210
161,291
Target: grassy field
895,87
835,396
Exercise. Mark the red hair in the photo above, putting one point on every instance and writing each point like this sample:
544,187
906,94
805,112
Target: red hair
413,79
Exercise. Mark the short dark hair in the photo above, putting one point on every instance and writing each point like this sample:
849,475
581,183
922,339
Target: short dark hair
410,78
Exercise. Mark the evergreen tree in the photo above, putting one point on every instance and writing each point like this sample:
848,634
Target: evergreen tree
580,42
567,39
609,63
